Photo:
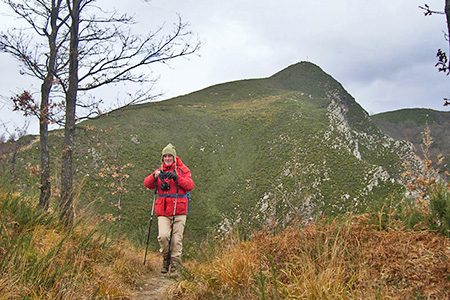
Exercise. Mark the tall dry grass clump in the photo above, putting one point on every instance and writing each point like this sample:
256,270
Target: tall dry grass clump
39,259
348,259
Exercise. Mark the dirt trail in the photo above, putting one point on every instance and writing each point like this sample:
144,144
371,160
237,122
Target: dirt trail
152,287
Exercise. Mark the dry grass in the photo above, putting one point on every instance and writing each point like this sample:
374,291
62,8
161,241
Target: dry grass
341,260
41,260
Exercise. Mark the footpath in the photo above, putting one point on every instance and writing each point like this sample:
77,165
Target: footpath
152,286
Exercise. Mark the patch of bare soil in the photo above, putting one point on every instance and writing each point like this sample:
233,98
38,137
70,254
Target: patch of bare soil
153,286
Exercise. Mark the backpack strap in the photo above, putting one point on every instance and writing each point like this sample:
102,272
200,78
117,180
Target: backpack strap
188,194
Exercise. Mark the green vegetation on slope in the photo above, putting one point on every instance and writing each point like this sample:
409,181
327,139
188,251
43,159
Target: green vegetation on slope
408,124
260,150
419,116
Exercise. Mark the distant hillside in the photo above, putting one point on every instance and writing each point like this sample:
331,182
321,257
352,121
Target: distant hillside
262,152
408,124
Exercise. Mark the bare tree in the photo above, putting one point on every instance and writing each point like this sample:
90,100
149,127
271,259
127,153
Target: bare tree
97,48
38,61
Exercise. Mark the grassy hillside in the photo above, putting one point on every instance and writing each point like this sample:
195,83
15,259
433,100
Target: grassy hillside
262,153
419,116
408,124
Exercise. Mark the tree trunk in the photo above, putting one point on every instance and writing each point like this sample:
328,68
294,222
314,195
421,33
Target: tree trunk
44,199
66,202
46,87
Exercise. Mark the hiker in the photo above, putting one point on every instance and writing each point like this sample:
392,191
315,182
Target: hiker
174,182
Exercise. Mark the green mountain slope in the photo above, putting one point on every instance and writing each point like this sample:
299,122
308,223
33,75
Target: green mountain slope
261,151
408,124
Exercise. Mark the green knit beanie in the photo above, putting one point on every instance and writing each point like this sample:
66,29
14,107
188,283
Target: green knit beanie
169,149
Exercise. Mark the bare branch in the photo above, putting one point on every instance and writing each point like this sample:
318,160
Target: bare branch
108,51
134,52
429,12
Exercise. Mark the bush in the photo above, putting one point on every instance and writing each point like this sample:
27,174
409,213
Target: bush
440,207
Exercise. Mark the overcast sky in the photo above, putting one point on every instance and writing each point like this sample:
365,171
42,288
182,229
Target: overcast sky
383,52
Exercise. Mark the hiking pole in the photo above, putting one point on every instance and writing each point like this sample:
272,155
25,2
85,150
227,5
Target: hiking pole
151,219
171,227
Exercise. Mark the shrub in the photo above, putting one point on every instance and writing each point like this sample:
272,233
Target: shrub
39,259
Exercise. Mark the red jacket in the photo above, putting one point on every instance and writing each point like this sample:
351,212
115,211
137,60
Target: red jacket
165,201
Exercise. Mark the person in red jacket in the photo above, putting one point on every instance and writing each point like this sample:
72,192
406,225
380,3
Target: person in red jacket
173,181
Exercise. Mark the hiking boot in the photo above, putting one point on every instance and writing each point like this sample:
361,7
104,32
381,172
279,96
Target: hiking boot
174,265
165,264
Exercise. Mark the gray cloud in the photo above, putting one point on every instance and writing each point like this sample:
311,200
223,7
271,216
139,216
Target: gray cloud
383,52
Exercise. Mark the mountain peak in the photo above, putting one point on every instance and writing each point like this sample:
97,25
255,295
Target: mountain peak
306,77
300,67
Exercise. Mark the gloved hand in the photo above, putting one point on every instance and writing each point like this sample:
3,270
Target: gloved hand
171,175
162,175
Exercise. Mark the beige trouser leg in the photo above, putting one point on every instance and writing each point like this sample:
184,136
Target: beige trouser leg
177,237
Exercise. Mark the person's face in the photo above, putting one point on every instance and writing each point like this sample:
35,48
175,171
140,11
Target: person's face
168,159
